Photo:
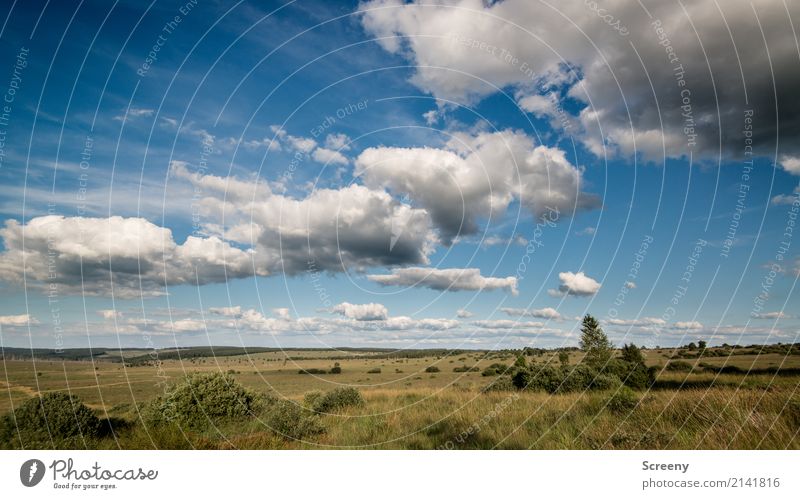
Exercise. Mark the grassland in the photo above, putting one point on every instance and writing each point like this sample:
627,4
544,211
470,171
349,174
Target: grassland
743,398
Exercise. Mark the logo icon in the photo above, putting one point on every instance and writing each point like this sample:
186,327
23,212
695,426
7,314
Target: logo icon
31,472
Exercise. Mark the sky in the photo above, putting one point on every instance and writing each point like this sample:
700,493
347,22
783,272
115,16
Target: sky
457,174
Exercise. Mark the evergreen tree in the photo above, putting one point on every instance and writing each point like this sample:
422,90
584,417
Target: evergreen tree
594,342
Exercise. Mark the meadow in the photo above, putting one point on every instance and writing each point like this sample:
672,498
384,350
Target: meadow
720,398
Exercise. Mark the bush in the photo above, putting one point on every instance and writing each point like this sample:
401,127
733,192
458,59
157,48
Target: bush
338,399
634,375
336,369
312,370
374,370
500,384
310,398
290,420
495,369
54,420
465,369
679,365
623,400
202,400
432,369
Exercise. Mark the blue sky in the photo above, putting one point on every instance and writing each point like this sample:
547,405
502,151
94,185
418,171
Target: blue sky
180,202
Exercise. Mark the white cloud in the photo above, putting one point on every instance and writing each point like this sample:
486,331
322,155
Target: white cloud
302,144
80,255
506,324
464,314
334,229
109,314
575,284
641,322
445,279
135,112
282,313
687,325
227,311
464,50
588,231
477,176
787,199
362,312
17,320
337,141
329,156
542,313
771,315
790,163
630,284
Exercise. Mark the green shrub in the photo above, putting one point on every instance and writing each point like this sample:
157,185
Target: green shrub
338,399
679,365
623,400
336,369
202,400
290,420
432,369
500,384
374,370
312,370
465,369
495,369
310,398
54,420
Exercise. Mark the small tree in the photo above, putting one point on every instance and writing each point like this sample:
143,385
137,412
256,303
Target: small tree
563,358
633,354
691,346
520,362
702,344
594,342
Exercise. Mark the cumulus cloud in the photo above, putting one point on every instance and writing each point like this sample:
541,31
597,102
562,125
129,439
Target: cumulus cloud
791,164
575,284
362,312
477,176
630,284
445,279
542,313
17,320
333,229
282,313
464,314
463,50
329,156
337,142
128,256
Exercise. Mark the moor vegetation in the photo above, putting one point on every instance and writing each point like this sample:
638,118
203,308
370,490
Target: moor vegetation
595,397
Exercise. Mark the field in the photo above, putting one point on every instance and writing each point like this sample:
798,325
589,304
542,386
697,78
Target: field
734,398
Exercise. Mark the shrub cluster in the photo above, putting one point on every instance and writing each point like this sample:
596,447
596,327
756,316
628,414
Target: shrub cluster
202,400
312,370
466,369
54,420
582,377
432,369
374,370
334,400
495,369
